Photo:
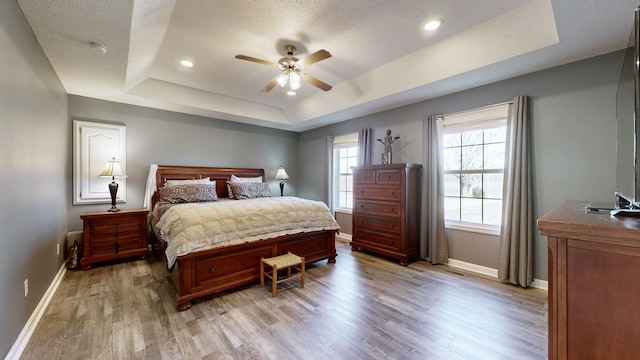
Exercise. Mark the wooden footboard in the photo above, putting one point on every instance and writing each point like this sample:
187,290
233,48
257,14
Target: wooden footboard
208,272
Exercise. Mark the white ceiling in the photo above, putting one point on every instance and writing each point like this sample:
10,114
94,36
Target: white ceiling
382,58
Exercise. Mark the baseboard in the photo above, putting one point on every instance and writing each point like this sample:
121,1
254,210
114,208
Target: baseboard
25,335
478,269
487,271
346,238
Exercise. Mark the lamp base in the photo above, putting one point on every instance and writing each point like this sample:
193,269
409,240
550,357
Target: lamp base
113,190
281,188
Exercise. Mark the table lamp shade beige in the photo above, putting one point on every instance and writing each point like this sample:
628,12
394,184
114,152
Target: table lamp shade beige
281,175
113,171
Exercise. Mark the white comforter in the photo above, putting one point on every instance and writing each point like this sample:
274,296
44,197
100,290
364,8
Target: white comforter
199,226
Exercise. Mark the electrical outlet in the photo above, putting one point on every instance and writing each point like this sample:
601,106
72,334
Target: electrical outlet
57,248
26,287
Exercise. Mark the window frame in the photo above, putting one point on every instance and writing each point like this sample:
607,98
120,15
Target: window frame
349,141
482,118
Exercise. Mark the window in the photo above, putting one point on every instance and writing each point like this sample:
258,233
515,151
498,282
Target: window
345,155
473,152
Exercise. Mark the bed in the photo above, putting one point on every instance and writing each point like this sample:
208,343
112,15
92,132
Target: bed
204,272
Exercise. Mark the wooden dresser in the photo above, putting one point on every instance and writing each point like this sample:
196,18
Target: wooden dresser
594,283
113,235
386,210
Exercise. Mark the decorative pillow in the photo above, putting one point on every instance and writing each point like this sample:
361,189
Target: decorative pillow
189,193
250,190
235,179
185,182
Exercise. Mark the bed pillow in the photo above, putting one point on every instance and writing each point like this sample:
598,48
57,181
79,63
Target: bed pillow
235,179
185,182
188,193
250,190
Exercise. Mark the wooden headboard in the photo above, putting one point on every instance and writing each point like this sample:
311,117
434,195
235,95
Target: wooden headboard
220,175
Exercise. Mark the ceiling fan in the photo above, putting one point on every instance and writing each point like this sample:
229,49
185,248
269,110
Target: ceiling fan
292,70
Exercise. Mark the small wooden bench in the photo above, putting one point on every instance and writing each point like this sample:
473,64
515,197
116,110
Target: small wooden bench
286,261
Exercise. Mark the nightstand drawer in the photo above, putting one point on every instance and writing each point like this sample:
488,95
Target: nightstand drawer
115,247
386,224
378,208
365,192
107,226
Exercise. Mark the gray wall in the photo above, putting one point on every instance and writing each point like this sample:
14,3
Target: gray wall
574,127
169,138
34,172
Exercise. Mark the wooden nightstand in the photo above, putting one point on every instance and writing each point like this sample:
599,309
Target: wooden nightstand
114,235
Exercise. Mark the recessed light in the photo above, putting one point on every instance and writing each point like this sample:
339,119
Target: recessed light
186,63
432,24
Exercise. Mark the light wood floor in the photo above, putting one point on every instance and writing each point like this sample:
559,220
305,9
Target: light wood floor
362,307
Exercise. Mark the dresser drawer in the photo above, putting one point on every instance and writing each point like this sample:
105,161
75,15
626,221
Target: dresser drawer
365,177
386,224
390,242
389,177
365,192
377,208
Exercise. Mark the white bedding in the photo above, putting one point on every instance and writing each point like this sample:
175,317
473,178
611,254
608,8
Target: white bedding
199,226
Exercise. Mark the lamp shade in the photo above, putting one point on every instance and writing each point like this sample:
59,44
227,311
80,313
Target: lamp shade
281,174
113,169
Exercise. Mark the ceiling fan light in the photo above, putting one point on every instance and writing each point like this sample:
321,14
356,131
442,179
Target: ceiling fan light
291,93
294,80
282,80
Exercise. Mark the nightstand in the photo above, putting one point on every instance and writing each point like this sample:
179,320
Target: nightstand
114,235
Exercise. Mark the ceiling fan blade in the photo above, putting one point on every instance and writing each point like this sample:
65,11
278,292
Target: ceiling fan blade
256,60
315,57
270,85
315,82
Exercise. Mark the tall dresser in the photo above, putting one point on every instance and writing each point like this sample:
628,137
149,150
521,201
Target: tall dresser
386,210
594,283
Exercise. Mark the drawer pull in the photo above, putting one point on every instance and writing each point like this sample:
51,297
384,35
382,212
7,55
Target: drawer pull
388,177
393,193
391,226
212,270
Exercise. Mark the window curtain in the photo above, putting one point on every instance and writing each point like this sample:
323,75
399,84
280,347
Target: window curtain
433,239
516,235
329,173
364,147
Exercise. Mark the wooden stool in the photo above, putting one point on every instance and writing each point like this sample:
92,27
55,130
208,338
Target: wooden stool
287,261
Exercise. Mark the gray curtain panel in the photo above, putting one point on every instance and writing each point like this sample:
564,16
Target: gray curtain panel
328,181
364,147
516,235
433,241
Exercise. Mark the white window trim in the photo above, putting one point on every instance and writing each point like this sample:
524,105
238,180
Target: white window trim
483,114
472,227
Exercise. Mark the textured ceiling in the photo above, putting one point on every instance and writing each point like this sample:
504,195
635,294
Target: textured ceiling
382,58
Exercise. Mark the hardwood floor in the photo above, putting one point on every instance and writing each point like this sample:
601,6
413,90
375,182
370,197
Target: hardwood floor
362,307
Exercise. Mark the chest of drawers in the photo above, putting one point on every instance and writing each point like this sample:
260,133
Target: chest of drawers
113,235
386,210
